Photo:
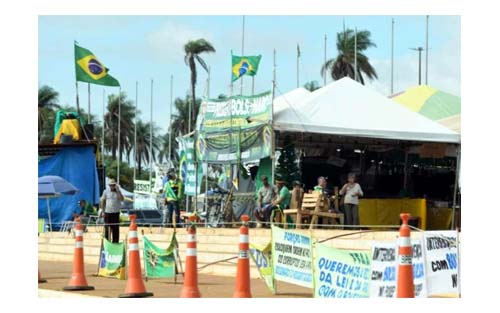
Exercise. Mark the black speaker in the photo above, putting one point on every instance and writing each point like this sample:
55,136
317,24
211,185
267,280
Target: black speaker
88,131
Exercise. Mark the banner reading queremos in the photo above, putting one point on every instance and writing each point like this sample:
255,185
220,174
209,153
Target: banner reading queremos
262,257
112,260
292,256
159,262
341,273
384,269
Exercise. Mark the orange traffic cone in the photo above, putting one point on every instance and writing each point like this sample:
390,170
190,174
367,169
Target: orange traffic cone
405,287
190,288
242,289
40,279
135,285
78,280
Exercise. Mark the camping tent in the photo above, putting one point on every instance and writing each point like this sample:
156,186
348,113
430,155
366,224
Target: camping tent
345,107
432,103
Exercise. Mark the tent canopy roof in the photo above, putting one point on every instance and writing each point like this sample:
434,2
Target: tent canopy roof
345,107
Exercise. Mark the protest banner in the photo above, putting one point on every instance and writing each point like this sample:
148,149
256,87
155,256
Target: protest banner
292,257
235,129
384,269
262,258
188,167
441,262
112,260
159,262
341,273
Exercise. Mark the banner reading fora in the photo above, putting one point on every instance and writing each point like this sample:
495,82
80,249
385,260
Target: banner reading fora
112,260
262,257
159,262
341,273
292,257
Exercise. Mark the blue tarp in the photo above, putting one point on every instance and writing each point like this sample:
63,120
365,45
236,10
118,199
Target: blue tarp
78,166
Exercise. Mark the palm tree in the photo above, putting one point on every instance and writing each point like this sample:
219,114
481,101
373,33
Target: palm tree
47,102
312,85
180,120
343,64
193,49
126,125
143,142
163,154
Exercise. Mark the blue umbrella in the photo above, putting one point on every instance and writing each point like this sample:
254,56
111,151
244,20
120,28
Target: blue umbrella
53,187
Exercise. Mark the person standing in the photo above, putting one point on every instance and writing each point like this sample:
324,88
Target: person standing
351,191
110,204
266,195
173,197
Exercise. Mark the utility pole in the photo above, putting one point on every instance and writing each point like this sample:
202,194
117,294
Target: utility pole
426,47
392,58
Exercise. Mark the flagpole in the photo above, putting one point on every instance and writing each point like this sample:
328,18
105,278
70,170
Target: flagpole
102,139
170,119
151,140
298,56
253,85
88,113
324,78
77,99
273,144
426,46
135,128
392,57
355,53
119,131
242,51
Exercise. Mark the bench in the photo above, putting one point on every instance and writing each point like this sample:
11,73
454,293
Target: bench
314,205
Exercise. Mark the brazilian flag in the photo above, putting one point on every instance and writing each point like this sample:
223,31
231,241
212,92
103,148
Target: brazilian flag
90,70
244,65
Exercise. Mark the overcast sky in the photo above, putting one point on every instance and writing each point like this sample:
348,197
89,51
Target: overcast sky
141,48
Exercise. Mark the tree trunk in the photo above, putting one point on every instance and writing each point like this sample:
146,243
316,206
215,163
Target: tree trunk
140,165
192,65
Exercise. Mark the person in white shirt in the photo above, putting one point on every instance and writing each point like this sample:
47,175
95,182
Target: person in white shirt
351,192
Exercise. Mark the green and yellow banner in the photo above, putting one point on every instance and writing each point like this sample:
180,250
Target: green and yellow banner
90,70
159,262
112,260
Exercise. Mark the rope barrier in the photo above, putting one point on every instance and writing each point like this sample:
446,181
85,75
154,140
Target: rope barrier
216,262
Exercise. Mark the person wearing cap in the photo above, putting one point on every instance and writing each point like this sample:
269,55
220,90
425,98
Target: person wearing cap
266,194
174,191
110,204
282,202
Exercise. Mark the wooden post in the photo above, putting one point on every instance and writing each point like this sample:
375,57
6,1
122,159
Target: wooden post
336,201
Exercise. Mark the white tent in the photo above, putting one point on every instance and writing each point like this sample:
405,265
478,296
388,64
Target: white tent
345,107
290,99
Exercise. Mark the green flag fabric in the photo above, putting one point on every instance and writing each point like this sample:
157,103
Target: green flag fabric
90,70
112,260
159,262
244,65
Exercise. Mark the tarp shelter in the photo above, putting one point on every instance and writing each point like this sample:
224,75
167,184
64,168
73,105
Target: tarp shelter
432,103
345,107
77,165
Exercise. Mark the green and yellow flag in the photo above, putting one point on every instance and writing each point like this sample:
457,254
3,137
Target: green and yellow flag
244,65
90,70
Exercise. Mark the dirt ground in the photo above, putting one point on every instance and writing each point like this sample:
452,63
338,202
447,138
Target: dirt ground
211,286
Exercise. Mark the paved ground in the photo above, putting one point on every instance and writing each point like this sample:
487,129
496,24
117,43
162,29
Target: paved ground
57,275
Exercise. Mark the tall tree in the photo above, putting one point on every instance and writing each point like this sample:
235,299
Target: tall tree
193,49
180,119
48,100
343,64
163,154
312,85
126,125
143,142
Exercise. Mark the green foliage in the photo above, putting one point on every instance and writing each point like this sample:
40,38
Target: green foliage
287,169
312,85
